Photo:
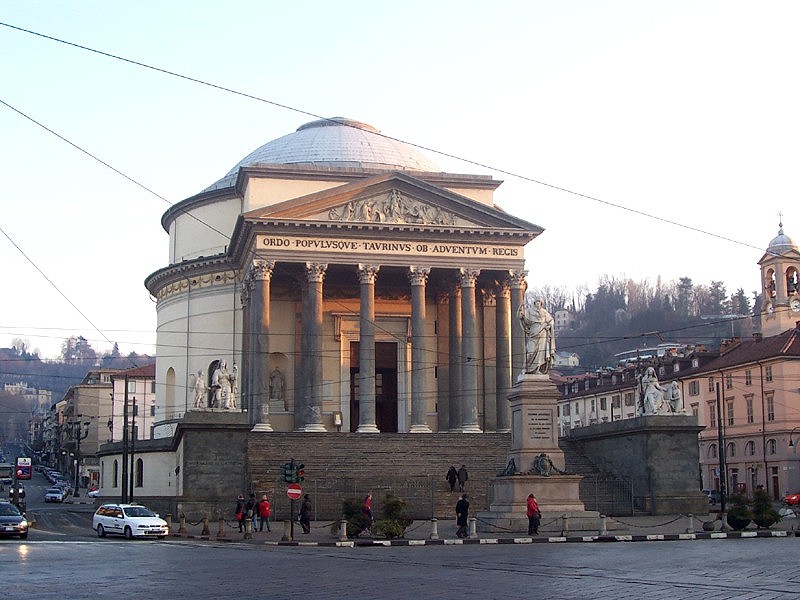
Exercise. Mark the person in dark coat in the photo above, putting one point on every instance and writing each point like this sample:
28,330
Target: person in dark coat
250,510
240,512
305,514
462,478
452,477
462,513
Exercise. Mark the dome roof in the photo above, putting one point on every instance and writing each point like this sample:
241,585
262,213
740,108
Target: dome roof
336,142
781,244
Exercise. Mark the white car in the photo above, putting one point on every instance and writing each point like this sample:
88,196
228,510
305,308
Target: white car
54,494
130,520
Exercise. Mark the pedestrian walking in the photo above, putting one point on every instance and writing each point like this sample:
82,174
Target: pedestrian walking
264,513
462,478
240,512
366,510
452,477
533,514
305,514
250,509
462,513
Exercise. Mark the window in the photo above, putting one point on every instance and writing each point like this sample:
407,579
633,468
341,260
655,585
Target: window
694,388
712,416
750,449
153,410
586,385
730,449
770,407
153,387
772,447
729,409
629,399
603,404
115,477
594,406
748,377
139,472
749,401
712,451
577,409
615,402
131,387
566,409
768,373
696,410
729,381
710,384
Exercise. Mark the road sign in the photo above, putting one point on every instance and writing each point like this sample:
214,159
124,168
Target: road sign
294,491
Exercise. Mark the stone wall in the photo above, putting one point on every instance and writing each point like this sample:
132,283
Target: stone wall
659,454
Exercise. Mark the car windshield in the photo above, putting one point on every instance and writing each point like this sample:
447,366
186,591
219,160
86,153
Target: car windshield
8,510
53,491
139,511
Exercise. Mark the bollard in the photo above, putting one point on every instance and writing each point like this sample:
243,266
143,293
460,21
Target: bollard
603,528
473,528
182,526
287,531
168,519
248,528
221,532
564,525
690,528
205,531
343,530
434,529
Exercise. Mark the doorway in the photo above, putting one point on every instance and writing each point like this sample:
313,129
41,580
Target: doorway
385,386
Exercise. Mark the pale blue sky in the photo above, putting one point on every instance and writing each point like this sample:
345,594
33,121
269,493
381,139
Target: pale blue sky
685,110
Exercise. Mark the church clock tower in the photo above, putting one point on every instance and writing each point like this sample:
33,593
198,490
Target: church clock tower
780,309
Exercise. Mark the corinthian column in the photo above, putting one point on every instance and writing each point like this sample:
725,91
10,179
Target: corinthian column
470,351
261,271
366,351
503,371
311,420
454,343
420,357
516,282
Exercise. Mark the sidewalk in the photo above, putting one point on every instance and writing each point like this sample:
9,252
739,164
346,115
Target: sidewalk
618,529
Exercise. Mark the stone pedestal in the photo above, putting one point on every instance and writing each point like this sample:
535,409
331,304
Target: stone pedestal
534,422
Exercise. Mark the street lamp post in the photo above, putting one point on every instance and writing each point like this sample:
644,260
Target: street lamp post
78,431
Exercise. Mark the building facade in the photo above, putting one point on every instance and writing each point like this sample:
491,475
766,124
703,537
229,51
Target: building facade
336,280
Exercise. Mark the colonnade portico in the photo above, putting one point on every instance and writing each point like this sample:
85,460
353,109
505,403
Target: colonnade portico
464,341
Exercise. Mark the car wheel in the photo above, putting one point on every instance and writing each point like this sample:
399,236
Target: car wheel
128,532
161,537
23,536
101,531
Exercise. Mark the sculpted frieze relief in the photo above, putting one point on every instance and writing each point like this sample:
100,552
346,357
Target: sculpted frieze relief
392,208
196,282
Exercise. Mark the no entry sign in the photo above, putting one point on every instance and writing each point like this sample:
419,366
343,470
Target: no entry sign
294,491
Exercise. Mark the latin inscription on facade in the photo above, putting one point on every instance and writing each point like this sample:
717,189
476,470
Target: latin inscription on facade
277,244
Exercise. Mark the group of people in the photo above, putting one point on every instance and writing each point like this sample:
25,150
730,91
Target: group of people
531,511
258,511
459,476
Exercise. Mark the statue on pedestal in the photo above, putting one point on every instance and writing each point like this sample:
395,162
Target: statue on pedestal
200,396
540,339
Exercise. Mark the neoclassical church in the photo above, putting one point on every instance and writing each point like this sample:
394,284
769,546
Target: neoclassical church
336,280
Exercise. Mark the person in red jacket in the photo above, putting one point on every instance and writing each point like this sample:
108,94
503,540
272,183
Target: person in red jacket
263,513
534,516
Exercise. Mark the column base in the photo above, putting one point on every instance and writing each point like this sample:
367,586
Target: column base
368,428
420,429
262,427
471,429
313,428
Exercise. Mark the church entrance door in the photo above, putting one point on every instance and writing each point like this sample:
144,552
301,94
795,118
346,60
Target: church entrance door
385,386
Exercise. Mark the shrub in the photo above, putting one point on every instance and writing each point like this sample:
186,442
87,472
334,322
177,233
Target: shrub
356,521
395,521
739,515
764,515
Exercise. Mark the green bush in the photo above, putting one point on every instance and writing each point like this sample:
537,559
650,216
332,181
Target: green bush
739,515
764,515
395,521
356,521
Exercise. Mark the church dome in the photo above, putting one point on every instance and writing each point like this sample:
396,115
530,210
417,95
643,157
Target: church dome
336,142
781,244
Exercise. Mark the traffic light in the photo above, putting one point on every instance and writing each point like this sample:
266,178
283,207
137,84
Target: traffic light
287,472
299,473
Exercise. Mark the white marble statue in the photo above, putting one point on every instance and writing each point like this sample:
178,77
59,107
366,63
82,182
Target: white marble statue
199,390
221,384
277,384
540,340
674,400
649,393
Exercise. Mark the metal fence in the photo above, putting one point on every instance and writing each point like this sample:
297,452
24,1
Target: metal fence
608,495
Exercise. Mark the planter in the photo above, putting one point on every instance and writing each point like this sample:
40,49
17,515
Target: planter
738,523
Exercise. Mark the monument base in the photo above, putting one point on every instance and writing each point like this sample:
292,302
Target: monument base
556,495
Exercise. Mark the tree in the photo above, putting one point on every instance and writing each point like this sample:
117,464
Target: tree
77,350
683,300
740,303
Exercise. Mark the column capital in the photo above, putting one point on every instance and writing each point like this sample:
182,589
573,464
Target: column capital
261,269
516,279
418,275
367,273
489,296
468,277
502,289
316,272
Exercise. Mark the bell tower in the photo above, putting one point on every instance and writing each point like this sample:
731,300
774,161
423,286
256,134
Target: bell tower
780,286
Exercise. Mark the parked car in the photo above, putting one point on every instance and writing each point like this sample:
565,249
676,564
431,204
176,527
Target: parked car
130,520
93,493
714,496
792,499
12,521
54,494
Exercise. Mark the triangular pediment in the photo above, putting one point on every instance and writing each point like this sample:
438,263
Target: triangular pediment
392,199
